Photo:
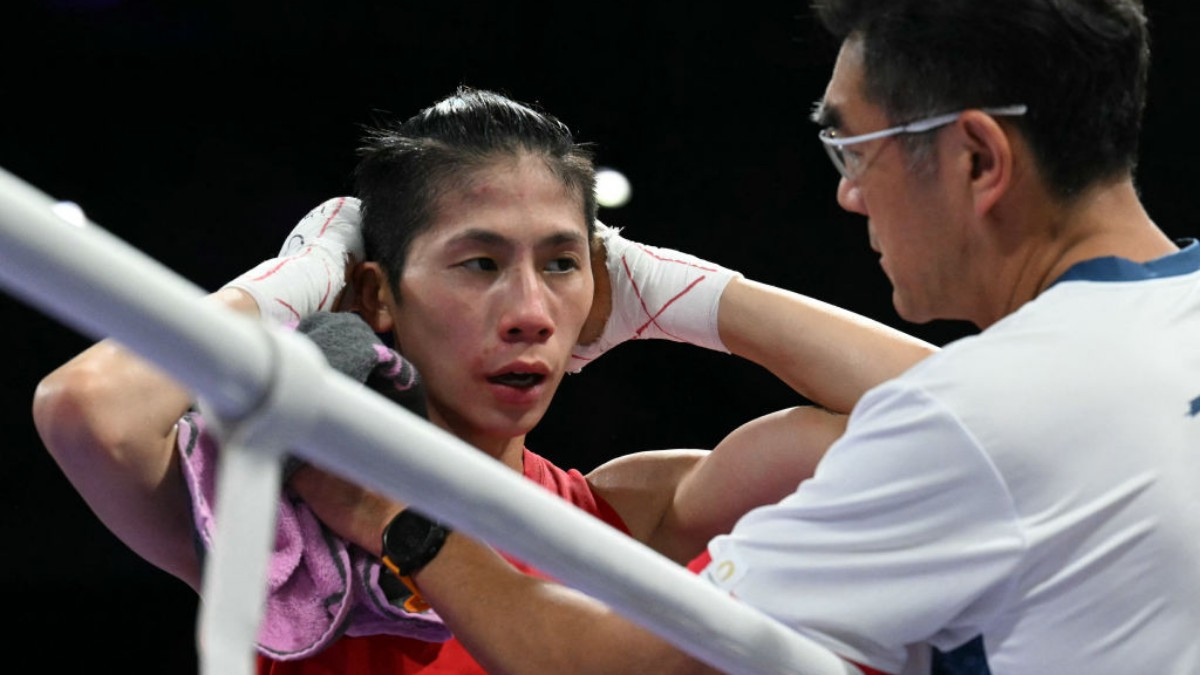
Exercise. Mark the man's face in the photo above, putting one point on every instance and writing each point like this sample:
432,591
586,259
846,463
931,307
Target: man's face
910,219
493,297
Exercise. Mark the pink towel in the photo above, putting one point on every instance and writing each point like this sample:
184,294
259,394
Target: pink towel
318,586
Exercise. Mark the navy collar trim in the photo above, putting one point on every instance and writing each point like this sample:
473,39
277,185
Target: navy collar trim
1112,268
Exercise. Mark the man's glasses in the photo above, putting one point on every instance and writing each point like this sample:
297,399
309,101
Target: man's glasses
851,164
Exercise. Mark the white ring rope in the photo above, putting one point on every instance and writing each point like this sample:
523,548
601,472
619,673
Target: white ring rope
95,283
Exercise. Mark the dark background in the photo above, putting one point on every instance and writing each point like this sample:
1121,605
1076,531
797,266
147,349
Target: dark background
201,131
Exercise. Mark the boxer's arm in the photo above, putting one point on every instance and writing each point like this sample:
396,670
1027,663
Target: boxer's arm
513,623
676,501
829,355
108,419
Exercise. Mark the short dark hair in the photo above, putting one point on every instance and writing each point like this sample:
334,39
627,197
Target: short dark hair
1079,65
404,168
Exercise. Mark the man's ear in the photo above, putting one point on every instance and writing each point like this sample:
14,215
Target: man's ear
375,300
991,157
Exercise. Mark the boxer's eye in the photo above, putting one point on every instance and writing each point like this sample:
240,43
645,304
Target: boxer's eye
480,264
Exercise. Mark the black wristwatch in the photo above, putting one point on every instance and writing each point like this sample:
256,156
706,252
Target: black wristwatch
410,541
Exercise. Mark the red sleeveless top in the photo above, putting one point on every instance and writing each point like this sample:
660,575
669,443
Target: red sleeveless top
391,655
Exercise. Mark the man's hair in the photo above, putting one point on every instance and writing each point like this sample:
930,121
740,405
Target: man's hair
404,168
1079,65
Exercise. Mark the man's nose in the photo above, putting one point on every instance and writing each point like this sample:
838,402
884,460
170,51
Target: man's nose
849,196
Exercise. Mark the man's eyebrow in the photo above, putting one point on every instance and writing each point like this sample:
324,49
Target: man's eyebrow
825,115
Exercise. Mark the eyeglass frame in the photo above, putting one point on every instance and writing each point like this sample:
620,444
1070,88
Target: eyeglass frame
834,145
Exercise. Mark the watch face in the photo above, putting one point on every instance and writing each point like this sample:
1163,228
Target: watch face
411,540
411,532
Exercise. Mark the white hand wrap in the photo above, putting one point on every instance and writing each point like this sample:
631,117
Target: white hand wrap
657,293
310,270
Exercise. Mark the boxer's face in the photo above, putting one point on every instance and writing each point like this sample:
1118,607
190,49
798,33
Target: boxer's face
492,299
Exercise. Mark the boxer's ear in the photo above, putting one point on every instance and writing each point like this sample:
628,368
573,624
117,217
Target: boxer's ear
375,300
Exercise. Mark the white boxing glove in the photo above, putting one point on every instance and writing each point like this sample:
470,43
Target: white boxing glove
310,270
657,293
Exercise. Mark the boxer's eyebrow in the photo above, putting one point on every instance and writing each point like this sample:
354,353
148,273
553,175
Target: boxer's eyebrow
478,235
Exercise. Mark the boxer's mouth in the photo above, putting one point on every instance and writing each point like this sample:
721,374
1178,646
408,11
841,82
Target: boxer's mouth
523,374
518,380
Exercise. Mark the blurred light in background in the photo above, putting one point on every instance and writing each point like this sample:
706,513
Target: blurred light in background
612,188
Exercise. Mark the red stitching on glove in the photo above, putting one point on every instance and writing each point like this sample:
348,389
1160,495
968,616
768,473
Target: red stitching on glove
689,263
289,308
331,217
654,317
285,261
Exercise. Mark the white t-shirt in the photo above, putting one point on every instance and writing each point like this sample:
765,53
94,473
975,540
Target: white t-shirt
1037,485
